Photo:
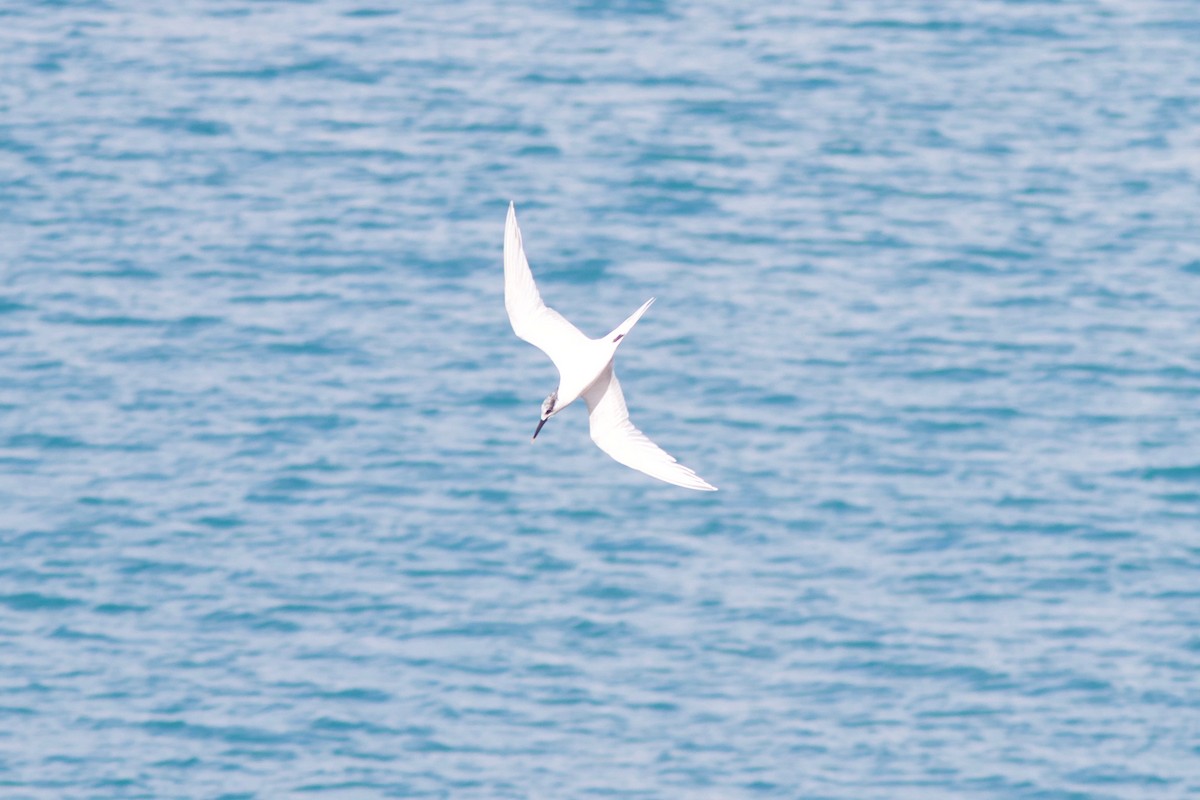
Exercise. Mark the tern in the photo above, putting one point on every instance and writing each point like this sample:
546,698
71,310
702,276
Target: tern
585,369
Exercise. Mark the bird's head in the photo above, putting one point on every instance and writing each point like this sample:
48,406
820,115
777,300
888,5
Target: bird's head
548,411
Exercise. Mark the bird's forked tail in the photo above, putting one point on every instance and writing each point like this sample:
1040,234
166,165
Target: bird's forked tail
619,332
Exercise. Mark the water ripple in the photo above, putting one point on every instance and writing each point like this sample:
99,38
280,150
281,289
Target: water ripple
272,524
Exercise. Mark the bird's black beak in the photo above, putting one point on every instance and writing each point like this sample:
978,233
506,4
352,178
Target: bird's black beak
539,427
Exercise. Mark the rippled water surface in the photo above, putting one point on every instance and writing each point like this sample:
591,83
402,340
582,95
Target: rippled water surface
928,281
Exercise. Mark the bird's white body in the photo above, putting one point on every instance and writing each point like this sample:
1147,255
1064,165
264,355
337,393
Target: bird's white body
585,369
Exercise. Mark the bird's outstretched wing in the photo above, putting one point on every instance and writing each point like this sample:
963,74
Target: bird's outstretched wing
614,434
531,319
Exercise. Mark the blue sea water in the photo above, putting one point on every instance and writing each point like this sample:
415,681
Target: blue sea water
928,281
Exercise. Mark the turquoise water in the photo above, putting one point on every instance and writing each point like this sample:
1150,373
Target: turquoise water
928,281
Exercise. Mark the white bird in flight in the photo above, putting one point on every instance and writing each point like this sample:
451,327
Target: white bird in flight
585,368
